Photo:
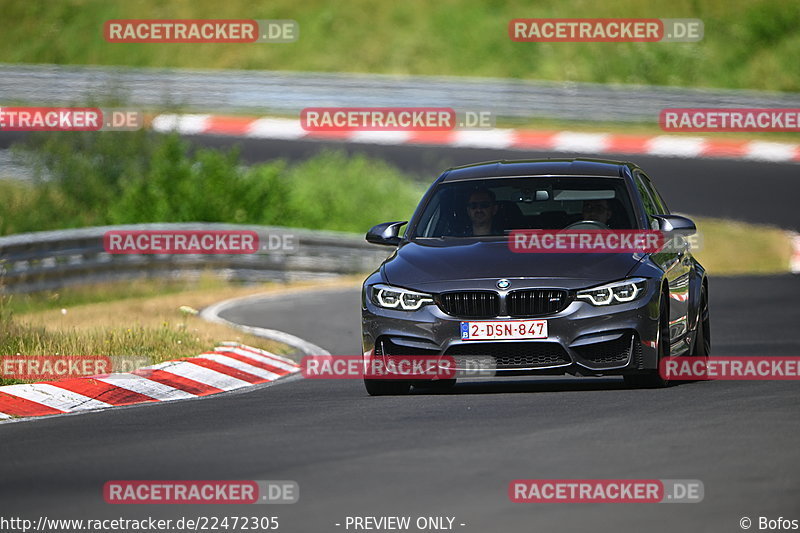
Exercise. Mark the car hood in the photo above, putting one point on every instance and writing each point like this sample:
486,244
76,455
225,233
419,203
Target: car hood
415,265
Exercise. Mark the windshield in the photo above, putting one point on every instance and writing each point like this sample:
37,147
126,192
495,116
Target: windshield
497,206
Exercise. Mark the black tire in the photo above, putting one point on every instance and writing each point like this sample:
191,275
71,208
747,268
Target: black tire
379,387
652,378
438,385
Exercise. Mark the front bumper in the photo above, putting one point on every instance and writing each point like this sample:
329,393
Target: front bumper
582,339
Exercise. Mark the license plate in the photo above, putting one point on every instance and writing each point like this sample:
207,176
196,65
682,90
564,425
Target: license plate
503,329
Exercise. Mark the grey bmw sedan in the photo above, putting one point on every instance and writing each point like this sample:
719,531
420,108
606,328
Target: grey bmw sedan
460,285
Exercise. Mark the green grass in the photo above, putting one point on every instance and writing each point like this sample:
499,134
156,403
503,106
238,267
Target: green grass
748,43
728,247
68,297
148,343
143,324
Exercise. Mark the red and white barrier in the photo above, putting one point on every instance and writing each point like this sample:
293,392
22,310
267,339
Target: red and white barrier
507,139
228,367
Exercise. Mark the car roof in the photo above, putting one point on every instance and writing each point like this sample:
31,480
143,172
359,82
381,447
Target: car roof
539,167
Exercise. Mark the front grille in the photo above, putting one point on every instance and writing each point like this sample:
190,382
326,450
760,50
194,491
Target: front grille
609,352
512,355
536,302
470,304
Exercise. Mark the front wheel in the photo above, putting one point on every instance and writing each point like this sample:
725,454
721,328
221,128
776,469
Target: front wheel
380,387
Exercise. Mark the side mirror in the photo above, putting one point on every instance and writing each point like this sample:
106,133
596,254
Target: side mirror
676,223
387,233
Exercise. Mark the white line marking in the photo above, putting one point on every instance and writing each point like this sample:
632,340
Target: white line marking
570,141
276,128
380,137
667,145
211,314
165,122
186,124
768,151
494,138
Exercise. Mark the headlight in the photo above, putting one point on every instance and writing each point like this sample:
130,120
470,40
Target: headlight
617,292
397,298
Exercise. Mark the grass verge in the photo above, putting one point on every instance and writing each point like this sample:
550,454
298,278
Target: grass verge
730,248
145,324
747,43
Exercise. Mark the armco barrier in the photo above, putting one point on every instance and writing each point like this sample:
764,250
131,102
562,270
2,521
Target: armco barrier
264,92
52,259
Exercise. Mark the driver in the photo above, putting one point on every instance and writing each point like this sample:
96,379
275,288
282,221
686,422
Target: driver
481,209
598,210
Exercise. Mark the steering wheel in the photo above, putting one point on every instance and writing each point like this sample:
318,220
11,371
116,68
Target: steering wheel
587,224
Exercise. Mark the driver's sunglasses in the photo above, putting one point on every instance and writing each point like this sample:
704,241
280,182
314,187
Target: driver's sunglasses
479,205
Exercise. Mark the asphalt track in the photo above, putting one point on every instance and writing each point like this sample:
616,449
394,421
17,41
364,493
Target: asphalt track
444,454
453,454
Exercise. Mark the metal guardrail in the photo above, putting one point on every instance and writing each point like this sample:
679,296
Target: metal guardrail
288,92
53,259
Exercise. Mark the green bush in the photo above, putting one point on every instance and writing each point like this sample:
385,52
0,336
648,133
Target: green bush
98,178
348,193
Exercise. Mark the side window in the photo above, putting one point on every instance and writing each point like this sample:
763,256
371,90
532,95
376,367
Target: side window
649,205
658,201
